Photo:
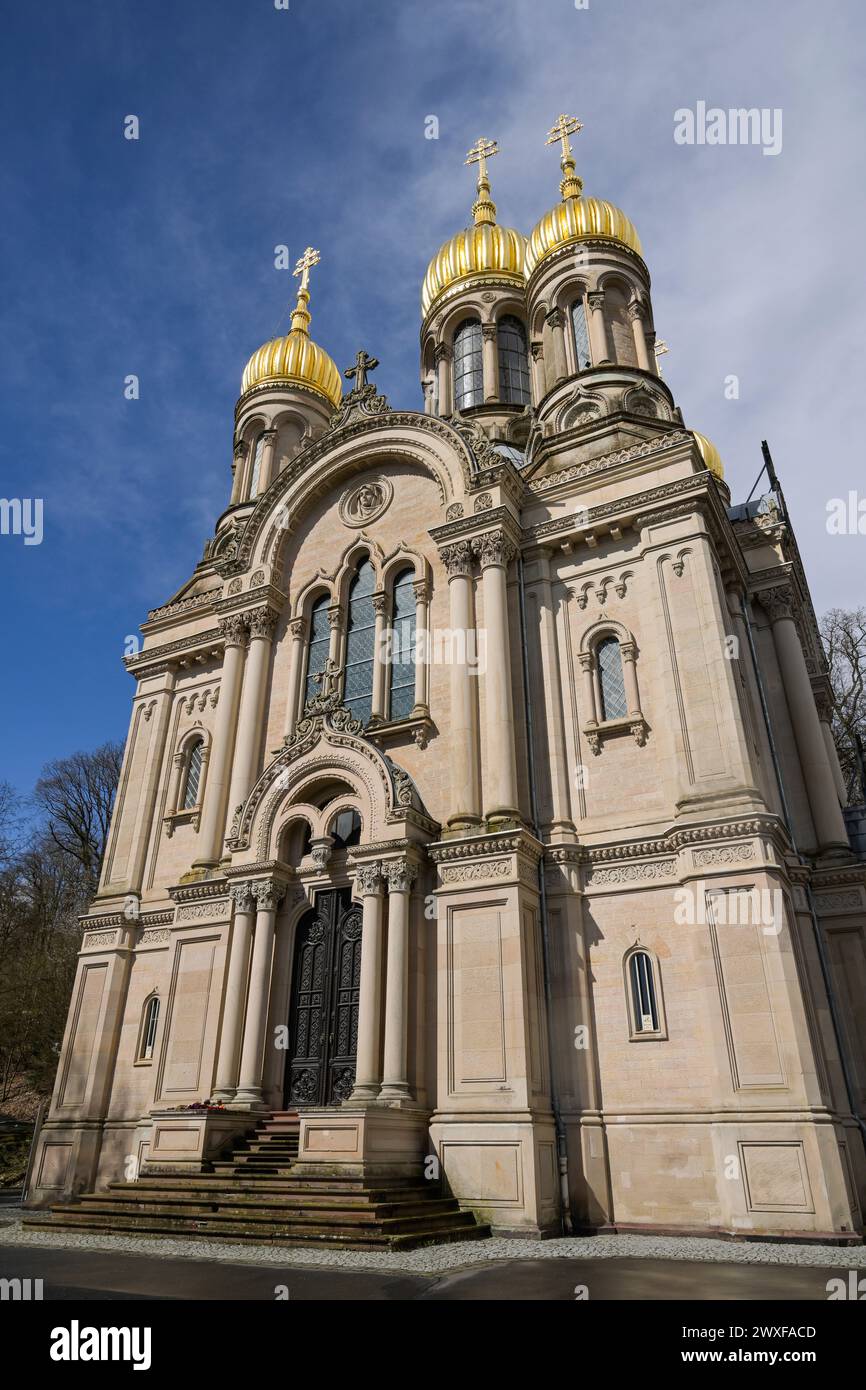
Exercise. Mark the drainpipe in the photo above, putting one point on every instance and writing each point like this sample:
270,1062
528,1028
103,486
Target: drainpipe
559,1127
823,956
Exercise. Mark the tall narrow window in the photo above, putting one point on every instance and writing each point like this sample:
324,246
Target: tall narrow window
257,465
513,362
360,640
610,679
194,756
643,993
403,647
318,648
468,365
581,335
148,1029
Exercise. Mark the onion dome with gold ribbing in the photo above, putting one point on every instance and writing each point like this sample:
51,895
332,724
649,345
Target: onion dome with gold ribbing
576,218
484,249
709,453
295,360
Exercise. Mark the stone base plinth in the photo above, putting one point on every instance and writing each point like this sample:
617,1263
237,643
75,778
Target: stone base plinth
186,1141
371,1140
504,1171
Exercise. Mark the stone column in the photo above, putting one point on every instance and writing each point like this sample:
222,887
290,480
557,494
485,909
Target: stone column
825,715
590,707
490,362
262,622
234,632
598,329
266,471
157,713
536,359
465,793
421,589
556,323
278,1005
382,656
236,991
248,1096
551,681
830,829
298,630
494,552
401,874
442,359
335,628
628,652
636,314
238,469
368,1075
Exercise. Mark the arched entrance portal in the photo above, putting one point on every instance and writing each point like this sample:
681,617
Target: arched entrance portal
323,1010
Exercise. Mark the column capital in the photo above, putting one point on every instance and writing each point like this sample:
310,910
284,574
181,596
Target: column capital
555,318
457,559
298,628
778,602
268,893
269,436
628,651
239,452
262,622
421,590
489,332
400,874
369,878
595,299
233,630
380,603
494,548
335,616
635,310
536,350
241,895
441,353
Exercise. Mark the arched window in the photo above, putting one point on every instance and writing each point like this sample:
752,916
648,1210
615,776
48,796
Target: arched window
346,829
403,647
610,679
257,465
513,361
318,647
194,759
644,995
147,1037
582,353
360,635
468,365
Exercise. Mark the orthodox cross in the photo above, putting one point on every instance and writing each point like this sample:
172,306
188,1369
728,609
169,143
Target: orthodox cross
363,365
481,151
561,129
660,348
310,258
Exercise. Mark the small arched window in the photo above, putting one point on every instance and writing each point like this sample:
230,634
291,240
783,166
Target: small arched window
346,829
402,690
194,760
257,465
468,365
582,353
318,647
148,1029
610,679
646,1015
360,643
513,361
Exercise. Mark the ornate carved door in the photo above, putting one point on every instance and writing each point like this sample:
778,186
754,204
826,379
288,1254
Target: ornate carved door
323,1019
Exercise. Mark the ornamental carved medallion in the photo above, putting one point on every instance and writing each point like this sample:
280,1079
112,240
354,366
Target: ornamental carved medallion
366,503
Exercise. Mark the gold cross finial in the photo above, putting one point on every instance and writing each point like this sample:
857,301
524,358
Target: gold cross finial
564,126
660,348
484,208
310,258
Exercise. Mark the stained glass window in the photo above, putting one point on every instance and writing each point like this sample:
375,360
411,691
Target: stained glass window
468,365
613,702
319,646
193,774
581,335
257,465
513,362
403,646
360,642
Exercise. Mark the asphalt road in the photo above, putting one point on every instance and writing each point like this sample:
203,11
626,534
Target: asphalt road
74,1275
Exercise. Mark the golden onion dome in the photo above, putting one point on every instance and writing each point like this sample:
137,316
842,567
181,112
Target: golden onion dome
710,454
485,248
576,218
295,360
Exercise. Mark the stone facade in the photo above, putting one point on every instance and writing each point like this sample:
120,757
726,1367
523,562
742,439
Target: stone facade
569,994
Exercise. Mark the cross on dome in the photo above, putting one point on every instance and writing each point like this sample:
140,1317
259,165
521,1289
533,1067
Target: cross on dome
484,208
571,186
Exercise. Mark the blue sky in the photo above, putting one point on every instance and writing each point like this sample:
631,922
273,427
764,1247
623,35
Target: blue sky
306,126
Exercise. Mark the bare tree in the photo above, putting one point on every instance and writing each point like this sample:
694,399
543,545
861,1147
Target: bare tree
843,632
76,795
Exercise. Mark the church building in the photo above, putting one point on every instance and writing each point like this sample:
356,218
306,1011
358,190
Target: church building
480,823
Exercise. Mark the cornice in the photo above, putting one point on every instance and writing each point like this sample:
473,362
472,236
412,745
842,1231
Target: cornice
205,644
661,444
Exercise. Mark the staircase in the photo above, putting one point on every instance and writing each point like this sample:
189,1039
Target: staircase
252,1196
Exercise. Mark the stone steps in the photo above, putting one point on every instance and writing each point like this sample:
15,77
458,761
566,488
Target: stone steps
254,1196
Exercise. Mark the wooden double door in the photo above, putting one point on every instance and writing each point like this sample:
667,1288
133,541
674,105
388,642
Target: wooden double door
323,1012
